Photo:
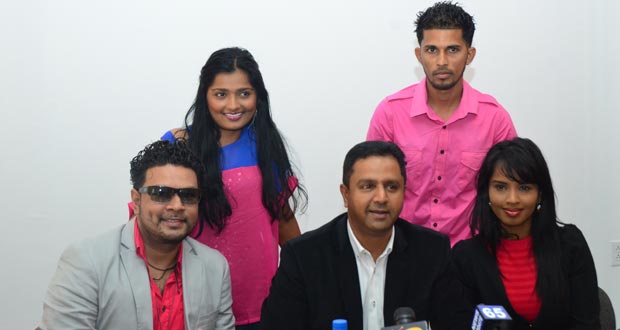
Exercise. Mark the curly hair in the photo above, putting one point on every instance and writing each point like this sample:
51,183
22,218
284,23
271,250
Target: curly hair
162,153
445,15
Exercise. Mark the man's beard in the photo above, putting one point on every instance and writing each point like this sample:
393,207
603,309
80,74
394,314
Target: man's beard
447,86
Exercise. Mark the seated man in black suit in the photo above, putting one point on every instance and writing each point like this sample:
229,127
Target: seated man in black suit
367,262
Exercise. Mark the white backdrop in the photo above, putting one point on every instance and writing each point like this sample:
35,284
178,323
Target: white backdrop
85,85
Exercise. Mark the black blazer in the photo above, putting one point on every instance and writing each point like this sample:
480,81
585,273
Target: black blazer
479,273
317,280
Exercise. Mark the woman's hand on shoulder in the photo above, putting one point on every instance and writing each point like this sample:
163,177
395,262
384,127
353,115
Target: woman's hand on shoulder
179,133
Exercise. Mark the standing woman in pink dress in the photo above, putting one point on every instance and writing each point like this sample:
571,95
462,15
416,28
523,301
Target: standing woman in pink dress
249,180
522,258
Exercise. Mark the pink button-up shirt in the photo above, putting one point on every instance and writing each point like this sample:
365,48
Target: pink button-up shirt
168,311
443,157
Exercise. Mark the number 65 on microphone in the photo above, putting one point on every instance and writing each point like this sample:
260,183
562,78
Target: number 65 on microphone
488,317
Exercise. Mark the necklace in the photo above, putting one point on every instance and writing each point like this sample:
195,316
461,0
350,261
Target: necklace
163,270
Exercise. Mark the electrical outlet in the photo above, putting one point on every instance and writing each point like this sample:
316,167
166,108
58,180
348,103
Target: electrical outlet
615,253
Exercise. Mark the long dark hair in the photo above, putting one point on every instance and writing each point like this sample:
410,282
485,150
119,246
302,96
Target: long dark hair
522,161
204,136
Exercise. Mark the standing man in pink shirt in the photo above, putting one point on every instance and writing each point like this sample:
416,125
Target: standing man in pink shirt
442,124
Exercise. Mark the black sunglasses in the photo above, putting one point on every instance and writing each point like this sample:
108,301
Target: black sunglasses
163,194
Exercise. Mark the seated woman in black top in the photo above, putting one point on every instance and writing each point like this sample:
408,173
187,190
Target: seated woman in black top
521,256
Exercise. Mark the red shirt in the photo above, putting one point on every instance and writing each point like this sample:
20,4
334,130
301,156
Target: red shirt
168,313
517,266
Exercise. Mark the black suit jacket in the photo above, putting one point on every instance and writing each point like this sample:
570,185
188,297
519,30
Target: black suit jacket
483,284
317,280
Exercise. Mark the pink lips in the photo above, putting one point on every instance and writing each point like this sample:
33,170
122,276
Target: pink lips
233,116
512,212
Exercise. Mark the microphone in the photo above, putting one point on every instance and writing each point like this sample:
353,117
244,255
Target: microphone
404,317
491,317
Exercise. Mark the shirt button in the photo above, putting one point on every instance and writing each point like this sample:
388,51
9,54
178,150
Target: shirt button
163,309
435,224
439,178
441,151
444,126
435,201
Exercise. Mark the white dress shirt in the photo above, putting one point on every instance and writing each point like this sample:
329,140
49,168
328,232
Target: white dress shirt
372,280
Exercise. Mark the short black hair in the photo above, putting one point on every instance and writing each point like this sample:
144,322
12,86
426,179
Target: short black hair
445,15
372,148
162,153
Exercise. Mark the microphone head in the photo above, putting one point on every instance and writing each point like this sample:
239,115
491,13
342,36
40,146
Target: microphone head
404,315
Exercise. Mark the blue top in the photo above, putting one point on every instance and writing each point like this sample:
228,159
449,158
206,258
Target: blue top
235,154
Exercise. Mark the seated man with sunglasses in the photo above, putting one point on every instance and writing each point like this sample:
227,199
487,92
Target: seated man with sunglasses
146,274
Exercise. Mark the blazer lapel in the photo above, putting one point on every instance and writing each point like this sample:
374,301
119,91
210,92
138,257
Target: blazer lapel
348,277
138,276
193,288
495,278
498,286
398,269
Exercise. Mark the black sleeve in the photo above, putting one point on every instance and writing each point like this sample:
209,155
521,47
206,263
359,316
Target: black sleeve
286,306
462,267
582,282
449,306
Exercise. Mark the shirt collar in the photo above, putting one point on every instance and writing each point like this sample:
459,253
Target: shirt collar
140,244
419,106
358,249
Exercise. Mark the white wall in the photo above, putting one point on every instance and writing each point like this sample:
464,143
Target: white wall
85,85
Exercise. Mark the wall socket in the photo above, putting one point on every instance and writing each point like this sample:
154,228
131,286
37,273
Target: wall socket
615,253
